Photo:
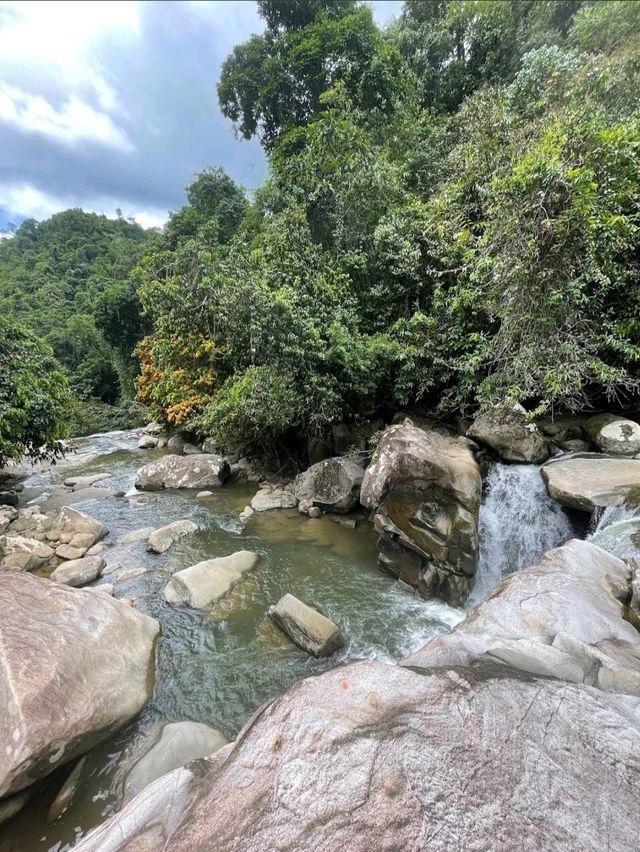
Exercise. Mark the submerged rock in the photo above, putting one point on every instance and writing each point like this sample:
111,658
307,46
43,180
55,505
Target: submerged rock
161,539
195,471
332,485
206,582
425,489
75,666
614,434
507,430
67,791
77,483
370,756
178,743
593,482
306,627
141,534
79,572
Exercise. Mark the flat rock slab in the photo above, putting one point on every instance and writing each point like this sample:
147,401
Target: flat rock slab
375,757
267,499
79,572
199,471
589,483
79,482
160,540
206,582
306,627
75,666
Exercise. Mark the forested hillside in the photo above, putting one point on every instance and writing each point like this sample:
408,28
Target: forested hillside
450,221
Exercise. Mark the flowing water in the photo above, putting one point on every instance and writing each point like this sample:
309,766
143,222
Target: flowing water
218,666
518,523
617,529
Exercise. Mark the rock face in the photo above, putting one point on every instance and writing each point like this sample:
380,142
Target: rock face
563,617
332,485
371,757
206,582
161,539
507,431
79,572
613,434
179,743
195,471
75,666
588,483
425,489
310,630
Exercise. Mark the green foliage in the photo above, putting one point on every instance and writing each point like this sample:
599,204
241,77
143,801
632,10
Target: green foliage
34,396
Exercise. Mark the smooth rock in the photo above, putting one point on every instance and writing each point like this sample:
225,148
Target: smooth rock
314,512
79,572
205,495
176,442
147,442
67,791
333,485
306,627
589,483
10,806
161,539
200,472
563,618
614,434
507,430
245,514
73,521
66,551
206,582
179,743
273,498
375,757
141,534
78,482
153,428
18,553
75,667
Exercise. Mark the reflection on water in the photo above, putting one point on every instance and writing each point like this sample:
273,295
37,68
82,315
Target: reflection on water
218,666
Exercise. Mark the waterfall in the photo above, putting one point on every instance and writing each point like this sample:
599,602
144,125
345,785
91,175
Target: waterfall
518,523
617,529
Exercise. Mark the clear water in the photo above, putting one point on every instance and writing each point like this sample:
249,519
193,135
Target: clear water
218,667
518,523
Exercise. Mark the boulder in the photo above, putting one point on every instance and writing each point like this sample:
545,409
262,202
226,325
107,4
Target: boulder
67,551
332,485
588,483
209,446
161,539
306,627
79,572
197,471
375,757
425,489
191,450
273,498
507,430
147,442
564,618
178,743
614,434
176,442
72,521
18,553
75,666
141,534
206,582
153,428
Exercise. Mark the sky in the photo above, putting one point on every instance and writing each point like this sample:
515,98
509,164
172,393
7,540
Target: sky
112,105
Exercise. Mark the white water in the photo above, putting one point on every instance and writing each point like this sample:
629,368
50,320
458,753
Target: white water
518,523
617,530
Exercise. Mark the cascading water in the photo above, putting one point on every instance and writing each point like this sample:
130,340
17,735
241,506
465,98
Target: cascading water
519,521
617,530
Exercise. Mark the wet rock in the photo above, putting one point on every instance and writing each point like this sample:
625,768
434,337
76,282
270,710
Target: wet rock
332,485
162,442
161,539
563,617
245,514
273,498
370,757
614,434
205,495
306,627
96,549
105,588
10,806
71,521
79,572
588,483
575,445
18,553
141,534
75,666
178,744
206,582
67,791
147,442
197,471
125,574
77,483
314,512
507,430
425,489
8,498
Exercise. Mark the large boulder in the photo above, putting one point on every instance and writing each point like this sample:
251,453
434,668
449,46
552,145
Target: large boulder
507,430
306,627
370,757
195,471
206,582
75,522
75,666
592,482
614,434
161,539
18,553
425,489
332,485
173,745
79,572
563,617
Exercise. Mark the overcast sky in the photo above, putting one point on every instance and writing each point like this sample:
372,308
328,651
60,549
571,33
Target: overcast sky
107,105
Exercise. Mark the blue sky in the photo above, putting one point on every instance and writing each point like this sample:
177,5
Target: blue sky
107,105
